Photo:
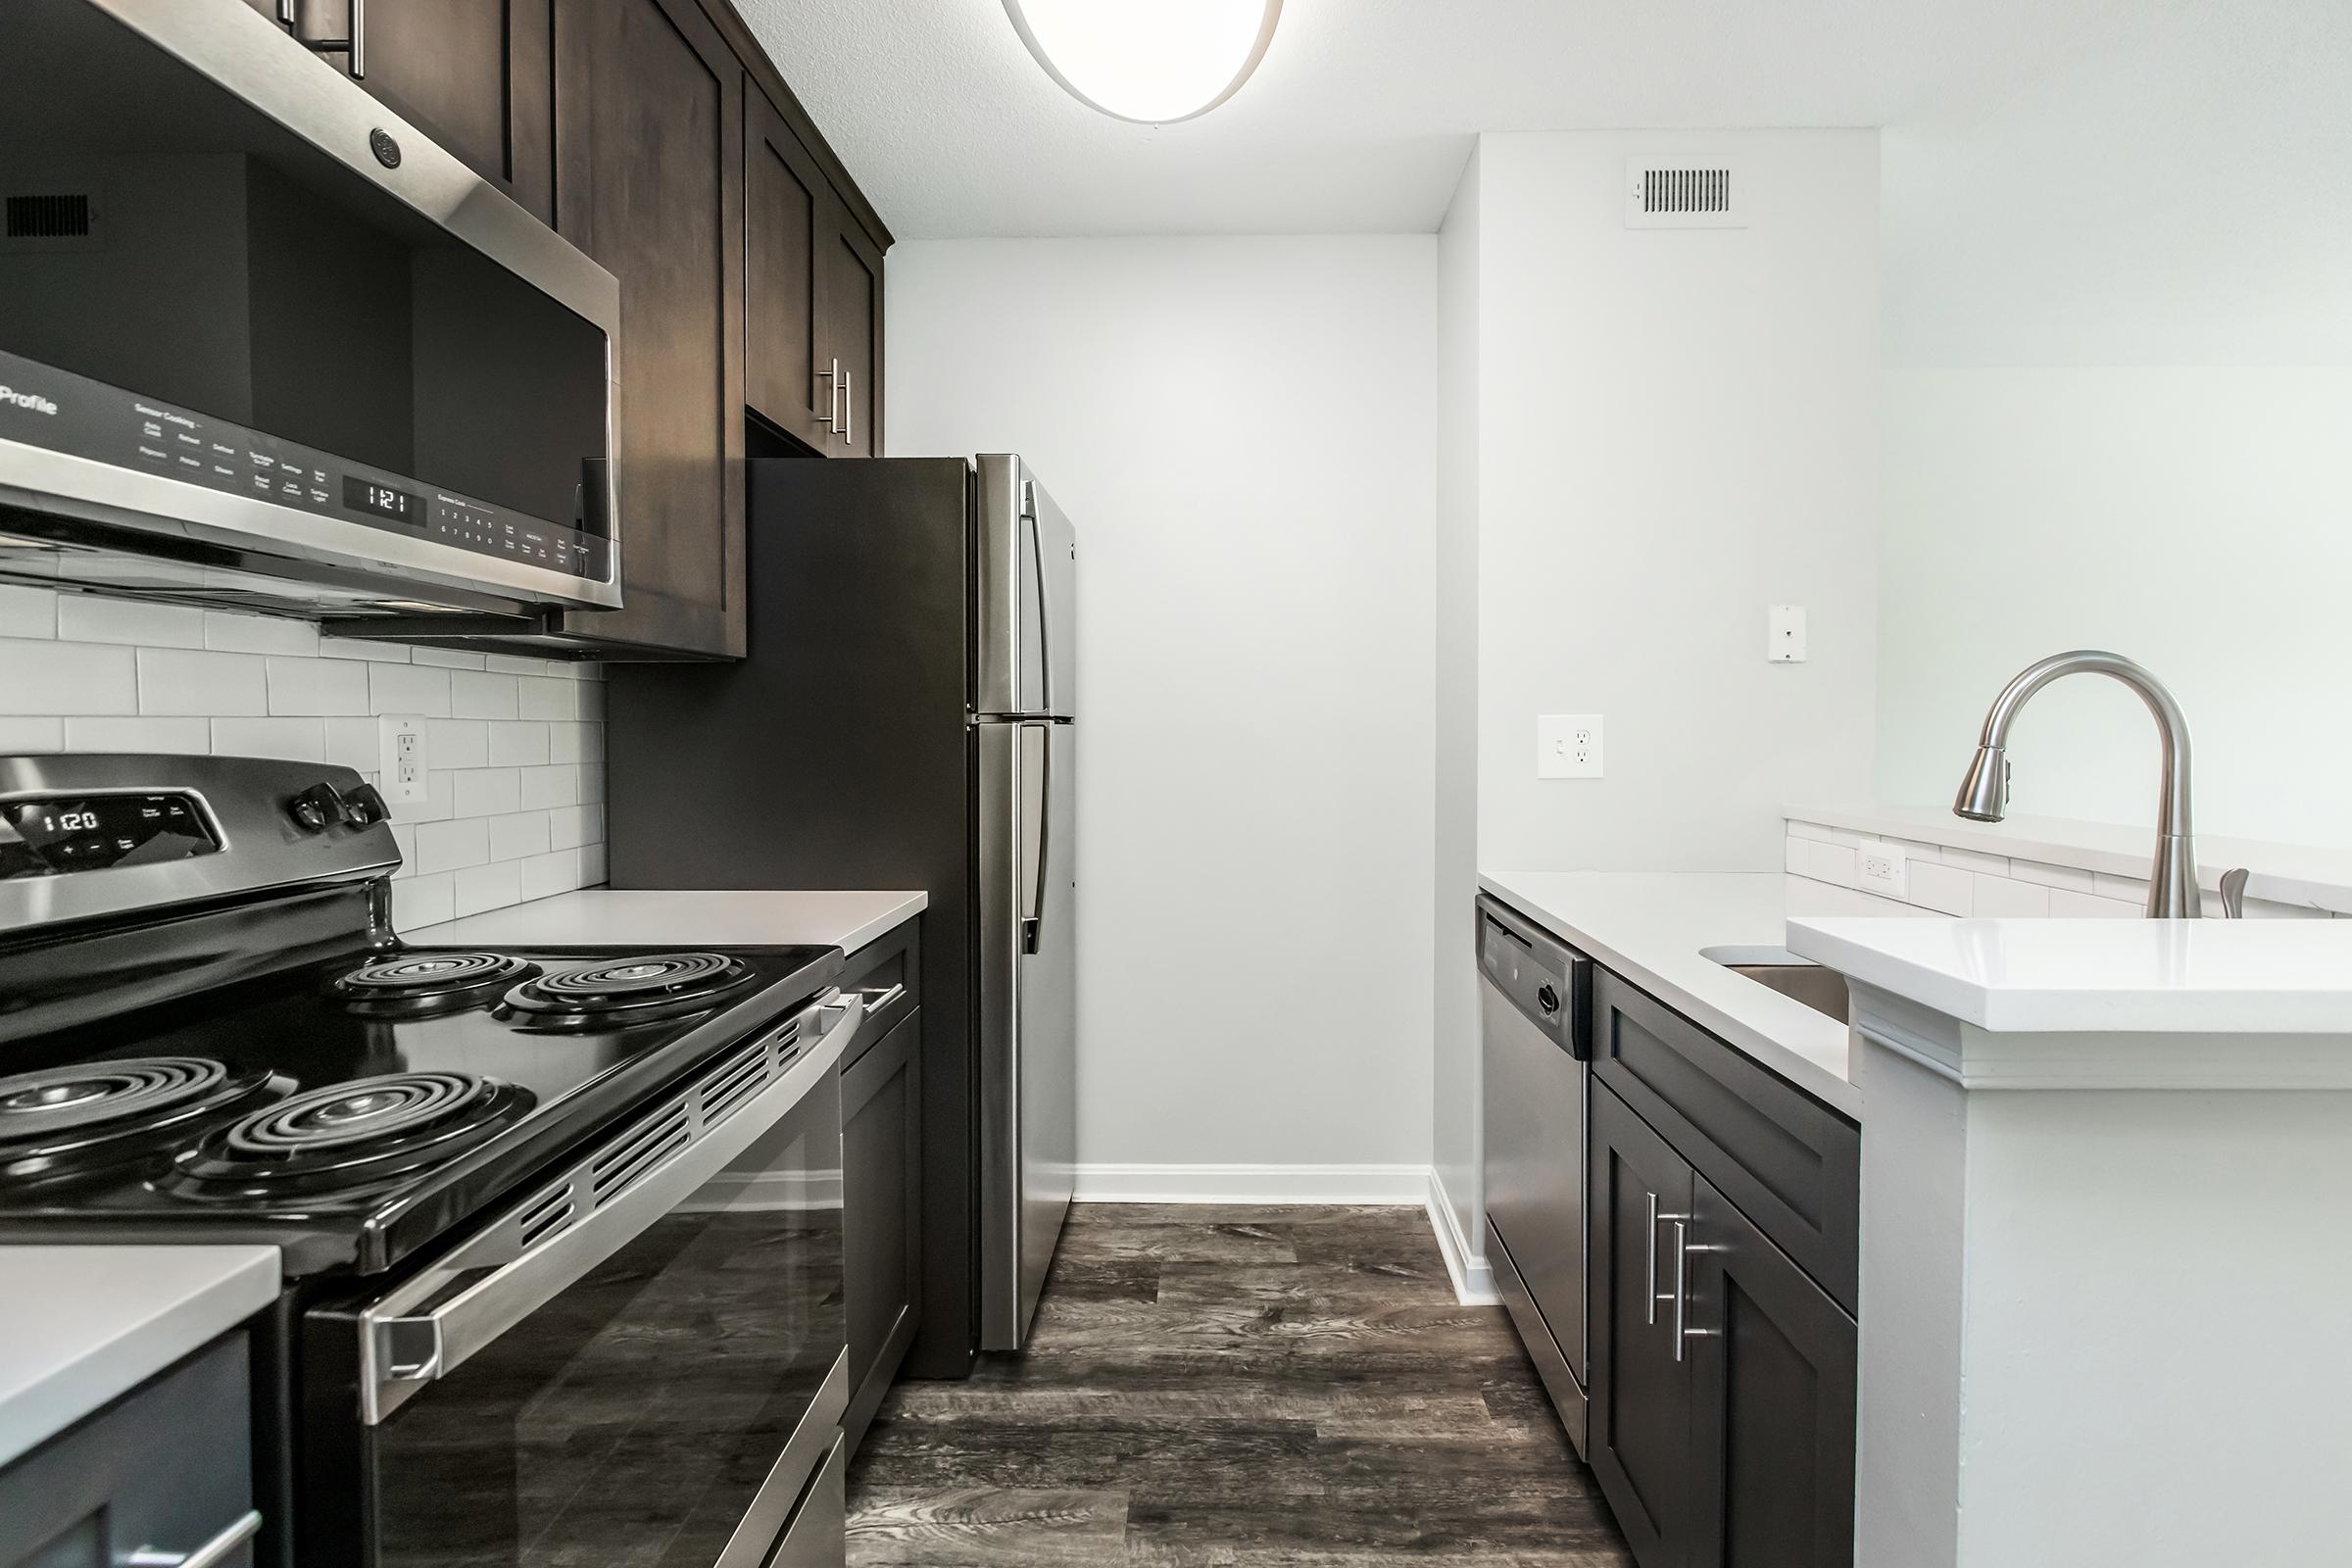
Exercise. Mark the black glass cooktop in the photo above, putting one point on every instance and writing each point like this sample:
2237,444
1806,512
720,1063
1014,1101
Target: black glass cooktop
352,1109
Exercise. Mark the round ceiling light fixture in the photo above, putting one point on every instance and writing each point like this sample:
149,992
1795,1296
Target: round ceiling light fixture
1153,62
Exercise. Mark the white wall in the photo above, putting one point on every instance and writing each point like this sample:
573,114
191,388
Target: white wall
1455,1118
2197,519
1678,428
515,747
1242,431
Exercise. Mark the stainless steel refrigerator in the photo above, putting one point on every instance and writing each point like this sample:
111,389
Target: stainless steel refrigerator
906,717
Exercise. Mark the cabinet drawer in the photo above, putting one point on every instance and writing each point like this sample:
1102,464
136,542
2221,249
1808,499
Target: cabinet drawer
889,970
1788,1162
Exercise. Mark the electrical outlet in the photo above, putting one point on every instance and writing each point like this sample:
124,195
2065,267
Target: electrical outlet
1885,867
1568,746
401,760
1784,634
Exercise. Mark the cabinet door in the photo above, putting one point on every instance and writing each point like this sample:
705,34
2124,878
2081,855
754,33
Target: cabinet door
786,213
476,76
1641,1394
850,299
882,1189
650,163
1772,1379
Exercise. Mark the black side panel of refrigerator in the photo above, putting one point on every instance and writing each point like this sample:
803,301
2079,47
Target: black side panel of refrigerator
835,755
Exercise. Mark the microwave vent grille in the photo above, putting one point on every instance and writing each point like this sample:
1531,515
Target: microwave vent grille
50,220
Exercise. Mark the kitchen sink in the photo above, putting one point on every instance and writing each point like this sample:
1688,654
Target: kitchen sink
1822,990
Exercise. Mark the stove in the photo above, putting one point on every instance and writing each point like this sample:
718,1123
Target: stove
216,1035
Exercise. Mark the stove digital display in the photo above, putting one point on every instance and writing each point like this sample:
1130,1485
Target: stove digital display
381,499
53,835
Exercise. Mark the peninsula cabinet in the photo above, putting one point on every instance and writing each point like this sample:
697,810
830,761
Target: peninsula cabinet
1724,1356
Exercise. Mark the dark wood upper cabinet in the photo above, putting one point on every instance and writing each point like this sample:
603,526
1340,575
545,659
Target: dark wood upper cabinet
850,297
650,134
786,212
476,76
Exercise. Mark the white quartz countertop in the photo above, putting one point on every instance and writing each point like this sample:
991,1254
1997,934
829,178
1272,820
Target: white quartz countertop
1654,927
597,916
80,1325
2165,977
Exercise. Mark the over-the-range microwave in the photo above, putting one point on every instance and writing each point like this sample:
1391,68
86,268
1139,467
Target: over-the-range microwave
264,344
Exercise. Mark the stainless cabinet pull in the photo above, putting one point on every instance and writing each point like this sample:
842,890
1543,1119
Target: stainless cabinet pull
832,380
1650,1292
849,407
354,42
211,1552
876,1001
1682,1282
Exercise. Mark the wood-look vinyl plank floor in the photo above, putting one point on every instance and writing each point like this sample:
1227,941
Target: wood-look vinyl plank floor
1228,1387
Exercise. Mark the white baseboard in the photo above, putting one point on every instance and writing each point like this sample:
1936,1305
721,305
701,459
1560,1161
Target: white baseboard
1473,1279
1398,1185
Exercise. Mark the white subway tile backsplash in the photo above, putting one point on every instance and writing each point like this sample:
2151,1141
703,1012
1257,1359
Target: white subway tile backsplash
424,901
318,686
520,834
231,633
38,679
173,736
409,689
303,739
176,680
488,887
2004,897
504,817
1970,860
1798,860
2052,876
519,743
27,736
2090,907
354,743
451,844
2134,888
28,612
488,791
475,694
88,618
1945,889
1834,864
457,743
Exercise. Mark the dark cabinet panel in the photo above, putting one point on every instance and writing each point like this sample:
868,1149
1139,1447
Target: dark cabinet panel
786,212
650,142
1772,1366
882,1182
1791,1163
850,298
476,76
1639,1203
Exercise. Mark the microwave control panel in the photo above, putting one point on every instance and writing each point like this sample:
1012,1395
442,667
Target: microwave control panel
56,410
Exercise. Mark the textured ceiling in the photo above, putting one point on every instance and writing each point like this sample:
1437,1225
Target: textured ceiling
1363,112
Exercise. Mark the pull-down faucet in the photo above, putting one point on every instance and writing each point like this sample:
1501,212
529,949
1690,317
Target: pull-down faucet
1984,793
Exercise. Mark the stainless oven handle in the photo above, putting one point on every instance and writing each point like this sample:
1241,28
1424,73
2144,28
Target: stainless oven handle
431,1325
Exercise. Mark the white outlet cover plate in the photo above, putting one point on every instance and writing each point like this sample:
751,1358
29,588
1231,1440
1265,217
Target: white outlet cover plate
1884,867
401,763
1568,746
1784,634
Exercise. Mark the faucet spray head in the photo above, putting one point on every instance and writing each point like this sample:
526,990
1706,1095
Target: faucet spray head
1984,791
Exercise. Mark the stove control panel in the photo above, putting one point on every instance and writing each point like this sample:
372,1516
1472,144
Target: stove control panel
55,834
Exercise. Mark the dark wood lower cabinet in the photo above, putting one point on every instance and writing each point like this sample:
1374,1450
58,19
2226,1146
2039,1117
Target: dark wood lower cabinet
1641,1410
1773,1363
1722,1375
882,1188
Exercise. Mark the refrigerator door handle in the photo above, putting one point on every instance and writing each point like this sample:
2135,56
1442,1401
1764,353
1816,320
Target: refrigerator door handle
1033,923
1044,599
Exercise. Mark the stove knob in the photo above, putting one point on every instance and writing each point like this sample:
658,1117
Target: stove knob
314,808
365,807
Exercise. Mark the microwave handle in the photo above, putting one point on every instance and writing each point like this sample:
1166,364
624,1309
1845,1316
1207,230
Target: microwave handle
431,1325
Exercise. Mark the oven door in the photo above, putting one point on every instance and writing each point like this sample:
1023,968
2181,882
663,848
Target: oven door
641,1362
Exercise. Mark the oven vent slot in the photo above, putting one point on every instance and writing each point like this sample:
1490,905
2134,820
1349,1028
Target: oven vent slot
653,1141
734,1083
551,1214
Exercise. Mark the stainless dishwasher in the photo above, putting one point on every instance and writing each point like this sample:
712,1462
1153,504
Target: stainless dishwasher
1535,1022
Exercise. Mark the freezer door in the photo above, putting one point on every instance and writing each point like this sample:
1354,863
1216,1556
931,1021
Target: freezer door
1029,1017
1025,593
